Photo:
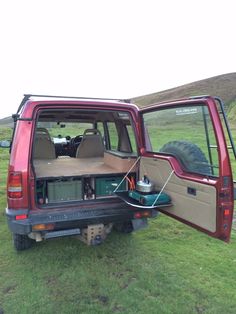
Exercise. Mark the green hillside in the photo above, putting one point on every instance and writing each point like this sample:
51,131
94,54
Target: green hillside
223,86
232,112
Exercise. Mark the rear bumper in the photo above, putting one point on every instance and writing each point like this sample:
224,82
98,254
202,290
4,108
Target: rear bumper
64,219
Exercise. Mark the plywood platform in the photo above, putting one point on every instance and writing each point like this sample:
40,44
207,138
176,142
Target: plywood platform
72,167
67,166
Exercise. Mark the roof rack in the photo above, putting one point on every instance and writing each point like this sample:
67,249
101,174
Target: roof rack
27,97
199,96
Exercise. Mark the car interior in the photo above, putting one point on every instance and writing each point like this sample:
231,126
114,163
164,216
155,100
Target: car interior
103,149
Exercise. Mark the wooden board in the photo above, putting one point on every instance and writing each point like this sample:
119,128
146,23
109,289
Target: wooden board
67,166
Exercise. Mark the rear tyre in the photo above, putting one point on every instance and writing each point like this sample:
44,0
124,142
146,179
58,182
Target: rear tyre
22,242
190,156
124,227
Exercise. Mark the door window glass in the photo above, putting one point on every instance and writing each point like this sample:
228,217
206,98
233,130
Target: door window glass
185,132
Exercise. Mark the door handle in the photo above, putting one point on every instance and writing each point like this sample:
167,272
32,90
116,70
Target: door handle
191,191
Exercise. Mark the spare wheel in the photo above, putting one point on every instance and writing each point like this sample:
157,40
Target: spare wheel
189,155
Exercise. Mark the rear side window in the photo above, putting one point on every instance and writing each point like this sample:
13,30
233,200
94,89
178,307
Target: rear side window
113,135
100,128
121,137
132,140
185,132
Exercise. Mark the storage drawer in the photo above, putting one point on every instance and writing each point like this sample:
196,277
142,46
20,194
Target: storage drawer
62,191
106,185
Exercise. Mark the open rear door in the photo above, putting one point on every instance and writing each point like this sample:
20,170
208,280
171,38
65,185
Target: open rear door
187,136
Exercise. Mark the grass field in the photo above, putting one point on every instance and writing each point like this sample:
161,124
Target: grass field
166,268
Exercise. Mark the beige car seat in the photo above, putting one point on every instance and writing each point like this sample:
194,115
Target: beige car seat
43,145
91,144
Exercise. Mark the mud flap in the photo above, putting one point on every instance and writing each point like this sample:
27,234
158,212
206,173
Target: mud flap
139,223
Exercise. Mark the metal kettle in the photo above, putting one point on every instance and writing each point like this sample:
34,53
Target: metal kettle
145,185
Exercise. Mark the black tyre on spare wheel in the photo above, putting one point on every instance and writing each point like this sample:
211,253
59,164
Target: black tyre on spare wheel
190,156
22,242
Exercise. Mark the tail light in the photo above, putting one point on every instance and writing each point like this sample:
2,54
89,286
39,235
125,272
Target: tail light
226,205
21,217
142,214
14,189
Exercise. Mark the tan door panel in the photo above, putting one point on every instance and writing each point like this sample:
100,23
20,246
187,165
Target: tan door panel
198,209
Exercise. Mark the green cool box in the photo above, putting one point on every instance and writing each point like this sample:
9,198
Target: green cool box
149,199
106,186
64,191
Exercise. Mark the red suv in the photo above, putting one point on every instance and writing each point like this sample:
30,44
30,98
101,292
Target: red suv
83,166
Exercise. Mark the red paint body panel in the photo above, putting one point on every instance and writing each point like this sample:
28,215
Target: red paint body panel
19,161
